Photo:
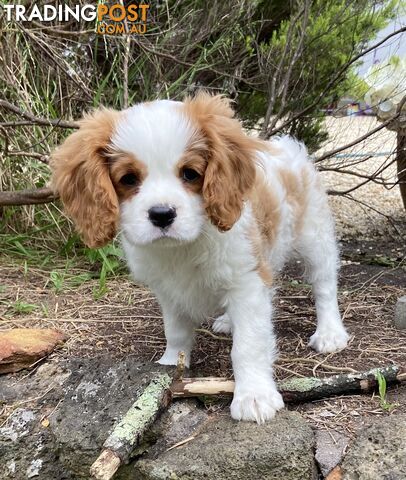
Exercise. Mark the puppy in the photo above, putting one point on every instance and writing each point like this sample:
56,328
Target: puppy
207,216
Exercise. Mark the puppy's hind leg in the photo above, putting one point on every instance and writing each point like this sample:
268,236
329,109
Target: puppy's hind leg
319,250
179,333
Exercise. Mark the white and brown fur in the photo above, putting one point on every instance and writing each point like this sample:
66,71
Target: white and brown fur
251,206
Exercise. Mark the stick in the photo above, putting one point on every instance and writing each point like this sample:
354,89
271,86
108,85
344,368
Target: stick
55,122
295,389
27,197
129,432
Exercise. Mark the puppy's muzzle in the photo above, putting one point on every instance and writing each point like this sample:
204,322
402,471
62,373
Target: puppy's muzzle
161,215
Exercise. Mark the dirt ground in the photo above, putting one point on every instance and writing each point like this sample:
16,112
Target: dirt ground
127,320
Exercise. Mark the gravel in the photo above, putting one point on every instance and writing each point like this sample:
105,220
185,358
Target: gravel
354,219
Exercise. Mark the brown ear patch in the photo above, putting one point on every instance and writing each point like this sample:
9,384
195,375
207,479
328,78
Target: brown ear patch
81,177
230,172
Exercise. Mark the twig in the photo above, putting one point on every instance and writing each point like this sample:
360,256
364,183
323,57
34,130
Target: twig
313,361
130,430
37,120
285,359
182,442
180,367
295,389
363,137
27,197
38,156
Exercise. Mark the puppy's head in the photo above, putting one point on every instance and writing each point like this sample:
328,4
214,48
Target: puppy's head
160,170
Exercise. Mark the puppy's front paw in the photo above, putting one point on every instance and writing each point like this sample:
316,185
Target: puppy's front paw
222,324
257,404
329,341
170,357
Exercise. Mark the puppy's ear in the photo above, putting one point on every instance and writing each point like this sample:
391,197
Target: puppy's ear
230,172
81,177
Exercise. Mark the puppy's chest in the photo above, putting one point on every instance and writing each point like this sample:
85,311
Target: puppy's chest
194,287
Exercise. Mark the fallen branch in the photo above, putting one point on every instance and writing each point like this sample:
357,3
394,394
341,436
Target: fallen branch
57,122
38,156
27,197
293,390
129,432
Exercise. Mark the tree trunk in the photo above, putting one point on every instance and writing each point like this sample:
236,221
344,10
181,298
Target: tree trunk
401,164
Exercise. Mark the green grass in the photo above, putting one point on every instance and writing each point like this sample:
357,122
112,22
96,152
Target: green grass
20,307
68,262
383,402
61,280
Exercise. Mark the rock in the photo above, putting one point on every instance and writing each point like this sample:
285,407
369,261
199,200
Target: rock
80,400
67,409
335,474
48,376
378,452
96,395
330,448
179,422
400,313
24,448
27,449
21,347
224,449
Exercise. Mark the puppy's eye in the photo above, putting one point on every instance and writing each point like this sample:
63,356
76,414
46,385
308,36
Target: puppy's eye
190,175
129,180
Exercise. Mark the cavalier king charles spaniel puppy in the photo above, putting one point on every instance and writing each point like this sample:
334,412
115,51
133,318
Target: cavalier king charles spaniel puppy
207,216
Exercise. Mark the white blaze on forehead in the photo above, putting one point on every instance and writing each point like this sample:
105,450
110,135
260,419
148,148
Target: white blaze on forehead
157,133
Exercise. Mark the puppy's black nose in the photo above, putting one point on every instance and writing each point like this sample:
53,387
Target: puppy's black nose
161,216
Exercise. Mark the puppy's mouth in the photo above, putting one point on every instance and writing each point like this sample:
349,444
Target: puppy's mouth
160,238
168,238
167,241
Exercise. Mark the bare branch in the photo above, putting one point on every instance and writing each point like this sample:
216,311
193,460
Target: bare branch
57,122
363,137
38,156
127,48
285,83
370,207
27,197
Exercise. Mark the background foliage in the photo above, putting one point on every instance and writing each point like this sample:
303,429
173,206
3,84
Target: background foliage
280,61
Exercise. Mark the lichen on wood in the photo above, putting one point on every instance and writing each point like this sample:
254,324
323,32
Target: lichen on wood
142,412
129,431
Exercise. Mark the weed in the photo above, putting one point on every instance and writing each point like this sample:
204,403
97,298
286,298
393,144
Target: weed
45,310
385,405
57,279
19,307
61,280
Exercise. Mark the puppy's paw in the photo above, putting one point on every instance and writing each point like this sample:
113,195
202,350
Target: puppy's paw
222,324
171,358
329,341
256,404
